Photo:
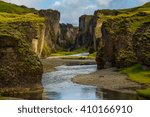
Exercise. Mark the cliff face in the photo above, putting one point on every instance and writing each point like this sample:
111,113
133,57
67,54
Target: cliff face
21,69
90,29
117,42
141,44
83,38
21,42
68,36
52,32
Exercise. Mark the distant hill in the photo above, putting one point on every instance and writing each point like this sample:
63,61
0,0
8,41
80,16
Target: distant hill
12,8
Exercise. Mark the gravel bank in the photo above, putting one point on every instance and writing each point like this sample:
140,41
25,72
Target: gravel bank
109,79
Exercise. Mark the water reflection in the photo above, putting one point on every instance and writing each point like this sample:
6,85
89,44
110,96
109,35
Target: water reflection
58,85
114,95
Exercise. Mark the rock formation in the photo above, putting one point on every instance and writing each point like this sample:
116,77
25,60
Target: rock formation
26,36
83,38
68,36
52,32
21,45
141,44
21,69
117,41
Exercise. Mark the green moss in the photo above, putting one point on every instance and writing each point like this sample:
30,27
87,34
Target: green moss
125,57
11,18
93,55
144,93
136,74
12,8
46,50
2,98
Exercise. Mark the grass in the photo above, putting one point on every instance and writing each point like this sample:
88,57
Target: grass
92,56
11,18
64,53
2,98
12,8
138,75
144,93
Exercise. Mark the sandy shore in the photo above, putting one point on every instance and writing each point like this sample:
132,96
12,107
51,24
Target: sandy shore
109,79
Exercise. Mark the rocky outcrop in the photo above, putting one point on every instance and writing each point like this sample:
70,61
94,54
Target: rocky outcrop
141,43
68,36
52,33
116,44
90,29
21,44
83,38
21,70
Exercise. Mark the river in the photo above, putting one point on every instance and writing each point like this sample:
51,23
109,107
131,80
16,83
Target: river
58,85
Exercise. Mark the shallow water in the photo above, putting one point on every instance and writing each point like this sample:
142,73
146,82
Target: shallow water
58,85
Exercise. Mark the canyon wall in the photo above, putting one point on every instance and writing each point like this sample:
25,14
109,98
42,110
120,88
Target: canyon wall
124,42
83,37
141,44
24,38
52,32
21,44
68,36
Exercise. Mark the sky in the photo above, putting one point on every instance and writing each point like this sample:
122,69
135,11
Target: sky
71,10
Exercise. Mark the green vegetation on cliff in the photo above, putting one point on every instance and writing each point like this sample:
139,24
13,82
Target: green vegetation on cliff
11,18
12,8
21,70
118,29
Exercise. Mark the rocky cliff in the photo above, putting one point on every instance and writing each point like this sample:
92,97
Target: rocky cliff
25,36
121,36
21,42
83,38
141,44
68,36
52,32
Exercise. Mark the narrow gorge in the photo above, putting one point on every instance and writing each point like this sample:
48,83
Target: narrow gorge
34,42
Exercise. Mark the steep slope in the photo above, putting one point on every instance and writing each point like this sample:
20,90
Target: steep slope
52,33
116,44
83,37
21,69
68,36
12,8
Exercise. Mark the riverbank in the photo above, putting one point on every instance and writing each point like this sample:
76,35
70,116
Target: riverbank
50,63
110,79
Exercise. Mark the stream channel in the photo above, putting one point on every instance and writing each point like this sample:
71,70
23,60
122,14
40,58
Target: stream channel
58,85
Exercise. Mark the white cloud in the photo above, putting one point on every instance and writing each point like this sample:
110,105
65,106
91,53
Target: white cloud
144,1
72,9
57,4
103,2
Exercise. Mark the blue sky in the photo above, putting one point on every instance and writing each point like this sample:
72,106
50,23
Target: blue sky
71,10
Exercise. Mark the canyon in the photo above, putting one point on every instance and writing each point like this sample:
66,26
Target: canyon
121,39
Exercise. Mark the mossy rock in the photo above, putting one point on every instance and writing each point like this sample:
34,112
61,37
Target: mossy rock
141,40
20,66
